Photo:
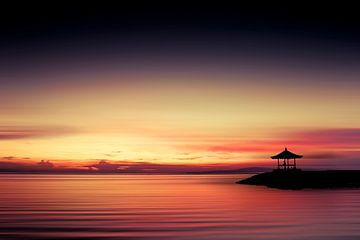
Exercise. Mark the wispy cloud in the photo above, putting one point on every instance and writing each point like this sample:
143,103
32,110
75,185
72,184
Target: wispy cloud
189,158
106,166
340,138
22,132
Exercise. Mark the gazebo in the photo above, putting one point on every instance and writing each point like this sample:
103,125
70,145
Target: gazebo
286,156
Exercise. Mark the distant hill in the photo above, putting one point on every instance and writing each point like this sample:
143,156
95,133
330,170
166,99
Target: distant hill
235,171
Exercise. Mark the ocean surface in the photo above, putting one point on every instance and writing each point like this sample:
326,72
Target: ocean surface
170,207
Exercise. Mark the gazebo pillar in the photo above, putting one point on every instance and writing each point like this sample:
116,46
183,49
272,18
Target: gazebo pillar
287,164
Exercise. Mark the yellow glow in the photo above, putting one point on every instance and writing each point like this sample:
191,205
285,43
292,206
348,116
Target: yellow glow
156,119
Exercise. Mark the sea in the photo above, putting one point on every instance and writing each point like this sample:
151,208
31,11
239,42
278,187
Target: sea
191,207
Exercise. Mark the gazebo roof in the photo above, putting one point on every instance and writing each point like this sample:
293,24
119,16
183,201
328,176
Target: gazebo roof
286,155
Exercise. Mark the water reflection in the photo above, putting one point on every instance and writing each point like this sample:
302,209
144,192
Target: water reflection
170,207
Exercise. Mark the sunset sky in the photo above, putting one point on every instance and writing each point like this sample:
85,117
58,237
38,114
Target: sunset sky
138,90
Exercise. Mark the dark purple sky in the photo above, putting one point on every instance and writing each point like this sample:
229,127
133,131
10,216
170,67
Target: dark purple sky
155,81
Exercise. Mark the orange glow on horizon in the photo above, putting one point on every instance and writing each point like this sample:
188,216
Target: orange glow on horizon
174,123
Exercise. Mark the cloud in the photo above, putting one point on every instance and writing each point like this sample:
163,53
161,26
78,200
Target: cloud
324,155
45,164
8,158
105,166
184,153
240,147
339,138
23,132
18,165
188,158
109,155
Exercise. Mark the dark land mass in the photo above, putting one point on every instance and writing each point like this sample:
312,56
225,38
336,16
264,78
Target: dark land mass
297,179
235,171
250,170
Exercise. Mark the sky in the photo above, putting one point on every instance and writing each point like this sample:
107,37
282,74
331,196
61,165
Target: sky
156,88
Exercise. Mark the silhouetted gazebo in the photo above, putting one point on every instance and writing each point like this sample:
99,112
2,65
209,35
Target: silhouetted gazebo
286,156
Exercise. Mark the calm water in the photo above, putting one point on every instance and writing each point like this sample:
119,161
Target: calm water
170,207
